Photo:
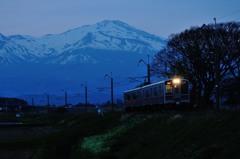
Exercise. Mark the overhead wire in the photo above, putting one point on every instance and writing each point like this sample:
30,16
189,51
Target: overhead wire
230,15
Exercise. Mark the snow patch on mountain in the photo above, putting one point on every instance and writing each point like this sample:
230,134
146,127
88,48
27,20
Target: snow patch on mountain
60,61
109,35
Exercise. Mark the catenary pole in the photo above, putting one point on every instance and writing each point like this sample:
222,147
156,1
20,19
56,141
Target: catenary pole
112,95
148,69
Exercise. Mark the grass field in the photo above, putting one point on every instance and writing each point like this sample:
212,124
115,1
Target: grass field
119,135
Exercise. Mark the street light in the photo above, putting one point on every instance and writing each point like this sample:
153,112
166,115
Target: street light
110,77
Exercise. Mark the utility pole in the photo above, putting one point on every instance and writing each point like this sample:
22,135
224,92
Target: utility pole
65,97
148,69
112,100
48,105
65,94
32,101
32,105
86,95
217,67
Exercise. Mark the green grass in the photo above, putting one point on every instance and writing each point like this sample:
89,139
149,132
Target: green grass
196,136
205,135
192,135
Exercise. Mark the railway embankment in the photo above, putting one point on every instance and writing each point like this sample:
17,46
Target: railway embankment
118,135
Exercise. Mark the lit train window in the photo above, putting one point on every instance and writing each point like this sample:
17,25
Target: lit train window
176,88
169,89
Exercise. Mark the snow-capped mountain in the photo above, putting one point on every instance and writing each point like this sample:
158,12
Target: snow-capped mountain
106,35
81,54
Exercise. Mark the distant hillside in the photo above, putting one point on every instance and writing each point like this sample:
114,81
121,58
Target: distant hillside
35,66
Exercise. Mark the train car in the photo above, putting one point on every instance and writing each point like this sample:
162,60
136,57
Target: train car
167,94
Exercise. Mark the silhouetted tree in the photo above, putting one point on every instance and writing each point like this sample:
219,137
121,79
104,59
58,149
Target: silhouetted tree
191,54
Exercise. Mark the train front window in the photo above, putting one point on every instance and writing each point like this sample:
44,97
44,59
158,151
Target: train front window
169,89
176,88
184,87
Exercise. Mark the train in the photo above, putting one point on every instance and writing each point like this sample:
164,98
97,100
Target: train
163,95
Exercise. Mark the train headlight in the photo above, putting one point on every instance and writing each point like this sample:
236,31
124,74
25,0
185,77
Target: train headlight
176,81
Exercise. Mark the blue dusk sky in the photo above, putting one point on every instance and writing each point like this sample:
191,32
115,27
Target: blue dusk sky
159,17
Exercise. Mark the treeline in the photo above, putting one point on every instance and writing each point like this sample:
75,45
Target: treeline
4,101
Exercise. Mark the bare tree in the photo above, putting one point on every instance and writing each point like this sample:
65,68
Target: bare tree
192,54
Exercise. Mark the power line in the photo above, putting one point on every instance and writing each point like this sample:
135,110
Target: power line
229,14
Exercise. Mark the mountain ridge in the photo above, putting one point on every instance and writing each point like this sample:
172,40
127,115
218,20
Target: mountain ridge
109,35
90,51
